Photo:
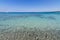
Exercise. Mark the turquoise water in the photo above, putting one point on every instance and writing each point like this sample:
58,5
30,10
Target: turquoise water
41,20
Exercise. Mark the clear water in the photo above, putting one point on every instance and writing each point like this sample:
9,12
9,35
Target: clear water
26,25
44,21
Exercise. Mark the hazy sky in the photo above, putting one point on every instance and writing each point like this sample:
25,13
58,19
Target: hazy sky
29,5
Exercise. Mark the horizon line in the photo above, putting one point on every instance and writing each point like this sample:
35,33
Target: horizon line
29,11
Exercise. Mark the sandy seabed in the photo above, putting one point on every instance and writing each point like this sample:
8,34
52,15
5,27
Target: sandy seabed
36,27
30,34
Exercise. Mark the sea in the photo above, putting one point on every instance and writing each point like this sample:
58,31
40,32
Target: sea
42,20
19,21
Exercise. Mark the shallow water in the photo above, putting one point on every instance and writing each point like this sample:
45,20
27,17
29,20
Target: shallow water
30,20
42,21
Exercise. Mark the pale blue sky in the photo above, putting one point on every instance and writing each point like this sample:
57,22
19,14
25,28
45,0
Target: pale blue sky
29,5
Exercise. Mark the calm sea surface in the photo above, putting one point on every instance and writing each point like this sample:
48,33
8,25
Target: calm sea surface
42,20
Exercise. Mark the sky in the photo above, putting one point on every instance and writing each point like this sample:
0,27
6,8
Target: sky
29,5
